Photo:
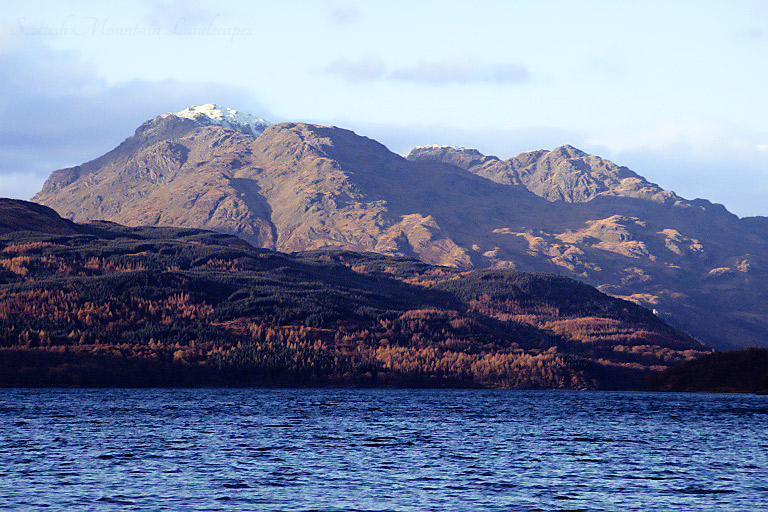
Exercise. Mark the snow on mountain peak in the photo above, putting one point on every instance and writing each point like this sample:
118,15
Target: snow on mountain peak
212,113
439,147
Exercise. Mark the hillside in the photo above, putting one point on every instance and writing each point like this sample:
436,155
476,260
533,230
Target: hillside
114,305
734,371
22,215
298,187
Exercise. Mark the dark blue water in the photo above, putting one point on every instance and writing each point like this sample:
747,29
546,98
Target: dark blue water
381,450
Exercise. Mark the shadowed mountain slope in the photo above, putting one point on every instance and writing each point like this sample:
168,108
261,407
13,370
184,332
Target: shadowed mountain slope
18,215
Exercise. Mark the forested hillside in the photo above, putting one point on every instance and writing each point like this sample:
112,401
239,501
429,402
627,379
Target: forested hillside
115,306
733,371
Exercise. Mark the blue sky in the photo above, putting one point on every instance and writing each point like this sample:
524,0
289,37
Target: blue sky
675,92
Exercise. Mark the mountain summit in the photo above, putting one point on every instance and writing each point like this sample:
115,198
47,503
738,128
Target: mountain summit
213,114
563,174
298,186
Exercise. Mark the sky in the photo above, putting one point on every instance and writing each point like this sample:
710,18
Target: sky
676,91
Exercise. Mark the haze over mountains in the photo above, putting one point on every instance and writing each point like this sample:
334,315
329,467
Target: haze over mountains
296,186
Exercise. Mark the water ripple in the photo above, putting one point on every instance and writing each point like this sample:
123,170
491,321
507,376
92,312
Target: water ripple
380,450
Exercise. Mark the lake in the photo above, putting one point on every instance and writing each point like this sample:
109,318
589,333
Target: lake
381,450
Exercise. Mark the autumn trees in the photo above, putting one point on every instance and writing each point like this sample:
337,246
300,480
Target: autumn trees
140,306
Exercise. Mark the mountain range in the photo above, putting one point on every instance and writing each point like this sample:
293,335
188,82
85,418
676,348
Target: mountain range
298,187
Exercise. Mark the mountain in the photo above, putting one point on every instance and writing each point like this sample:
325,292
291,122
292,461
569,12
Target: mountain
565,174
109,305
298,187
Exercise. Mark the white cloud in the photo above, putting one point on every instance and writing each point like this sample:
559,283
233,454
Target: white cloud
695,159
702,139
173,13
21,185
367,68
56,111
344,15
436,73
464,71
750,34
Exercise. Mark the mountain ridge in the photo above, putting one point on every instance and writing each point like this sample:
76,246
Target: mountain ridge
566,173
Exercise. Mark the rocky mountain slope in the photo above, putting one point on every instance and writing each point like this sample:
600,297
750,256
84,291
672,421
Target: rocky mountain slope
300,187
565,174
108,305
